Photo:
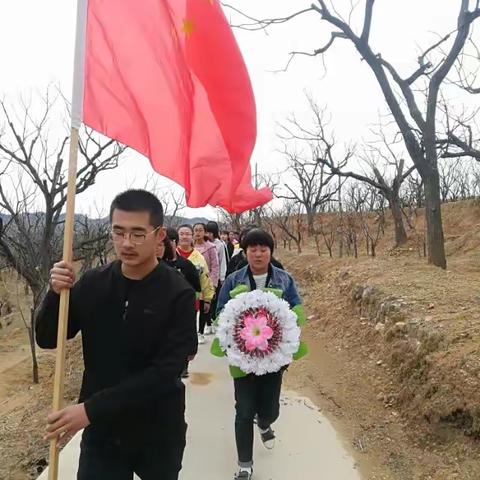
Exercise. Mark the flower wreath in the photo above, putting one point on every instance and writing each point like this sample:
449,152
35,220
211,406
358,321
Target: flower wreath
258,332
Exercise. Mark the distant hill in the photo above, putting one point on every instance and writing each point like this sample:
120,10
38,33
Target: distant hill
189,221
81,217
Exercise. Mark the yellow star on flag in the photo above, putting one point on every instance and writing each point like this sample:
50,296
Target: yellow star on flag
188,27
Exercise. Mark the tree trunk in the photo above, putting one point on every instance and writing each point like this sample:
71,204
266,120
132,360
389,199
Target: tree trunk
275,240
299,245
400,232
317,244
311,222
433,213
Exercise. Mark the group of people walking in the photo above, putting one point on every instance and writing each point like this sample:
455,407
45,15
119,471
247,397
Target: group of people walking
142,318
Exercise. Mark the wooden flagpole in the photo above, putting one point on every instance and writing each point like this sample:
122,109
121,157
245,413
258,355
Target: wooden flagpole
58,387
77,107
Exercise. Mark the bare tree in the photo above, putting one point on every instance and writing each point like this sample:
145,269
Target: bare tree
173,204
372,219
289,221
259,216
329,232
386,183
232,221
33,186
92,246
458,179
173,199
414,114
313,186
314,177
448,179
354,201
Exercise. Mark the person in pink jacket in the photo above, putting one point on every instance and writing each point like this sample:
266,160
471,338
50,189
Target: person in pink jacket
209,251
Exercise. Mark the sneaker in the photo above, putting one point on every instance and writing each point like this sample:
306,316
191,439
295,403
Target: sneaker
201,339
268,438
208,330
244,474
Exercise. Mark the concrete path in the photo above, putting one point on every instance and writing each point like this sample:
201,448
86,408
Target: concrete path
307,446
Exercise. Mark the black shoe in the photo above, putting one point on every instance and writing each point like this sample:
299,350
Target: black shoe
244,474
268,438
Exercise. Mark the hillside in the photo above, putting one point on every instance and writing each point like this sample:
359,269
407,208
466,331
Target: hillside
394,358
395,353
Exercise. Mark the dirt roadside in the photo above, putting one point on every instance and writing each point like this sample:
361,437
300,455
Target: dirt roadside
407,416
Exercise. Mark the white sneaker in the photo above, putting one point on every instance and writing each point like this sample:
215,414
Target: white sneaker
201,339
208,330
244,474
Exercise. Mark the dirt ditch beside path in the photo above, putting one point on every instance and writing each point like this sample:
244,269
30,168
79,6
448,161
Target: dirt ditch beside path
395,361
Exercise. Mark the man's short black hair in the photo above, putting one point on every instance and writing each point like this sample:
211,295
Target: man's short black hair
172,234
212,227
257,236
139,201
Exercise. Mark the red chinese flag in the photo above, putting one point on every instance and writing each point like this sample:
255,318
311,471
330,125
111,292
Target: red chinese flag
167,78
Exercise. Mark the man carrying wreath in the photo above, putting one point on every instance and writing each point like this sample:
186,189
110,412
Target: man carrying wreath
259,315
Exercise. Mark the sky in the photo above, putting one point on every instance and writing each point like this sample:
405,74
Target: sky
36,46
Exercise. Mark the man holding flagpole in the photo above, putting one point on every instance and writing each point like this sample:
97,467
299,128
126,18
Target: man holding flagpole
166,78
138,325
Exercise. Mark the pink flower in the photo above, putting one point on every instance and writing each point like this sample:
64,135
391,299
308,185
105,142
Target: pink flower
256,332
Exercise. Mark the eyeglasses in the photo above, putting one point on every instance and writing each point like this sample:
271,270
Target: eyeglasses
137,238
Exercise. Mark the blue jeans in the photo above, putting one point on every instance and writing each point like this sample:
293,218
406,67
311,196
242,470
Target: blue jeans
255,395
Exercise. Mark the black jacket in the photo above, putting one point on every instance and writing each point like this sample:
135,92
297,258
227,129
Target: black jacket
230,250
136,336
188,270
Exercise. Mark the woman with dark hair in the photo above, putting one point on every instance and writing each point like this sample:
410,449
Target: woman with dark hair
167,252
257,396
209,252
186,250
239,259
213,234
224,237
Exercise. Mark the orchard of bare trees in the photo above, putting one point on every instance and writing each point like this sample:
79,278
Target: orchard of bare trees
430,127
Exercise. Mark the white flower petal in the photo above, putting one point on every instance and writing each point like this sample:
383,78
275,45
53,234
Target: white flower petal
287,321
